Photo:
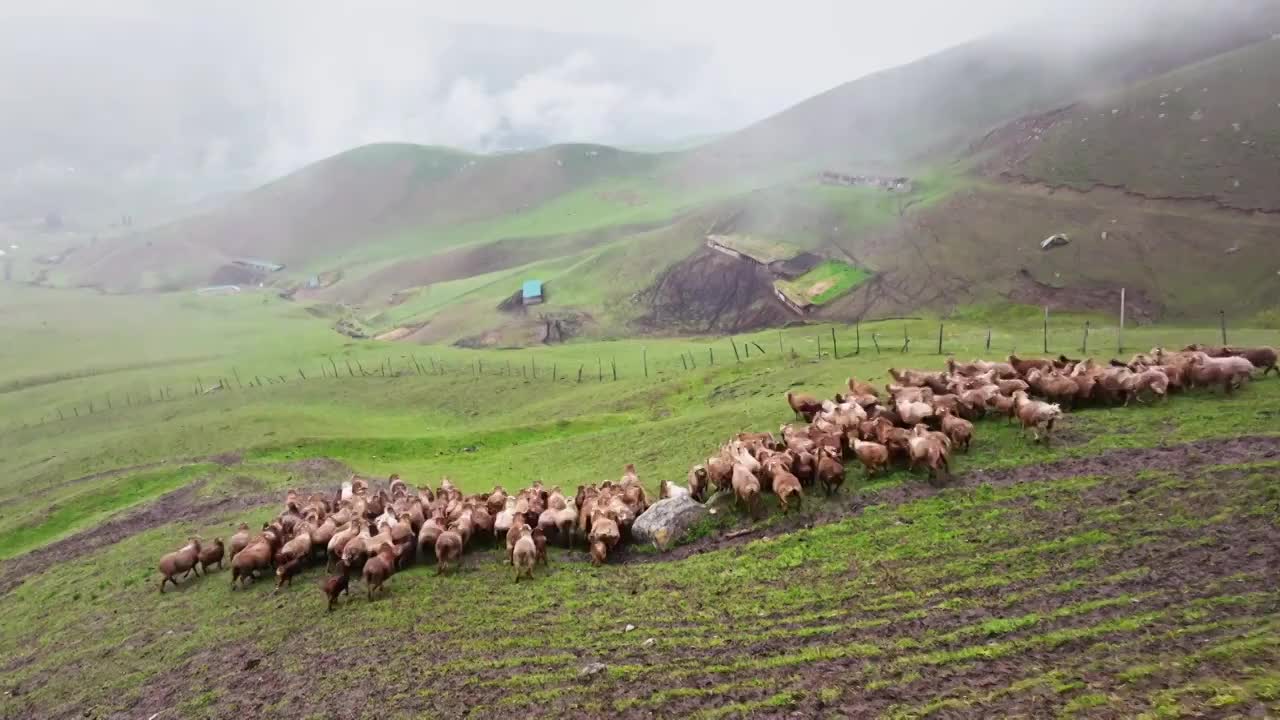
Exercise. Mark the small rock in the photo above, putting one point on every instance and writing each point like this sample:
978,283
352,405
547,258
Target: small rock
629,628
648,643
591,669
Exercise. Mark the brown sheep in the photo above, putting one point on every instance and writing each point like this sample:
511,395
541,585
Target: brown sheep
211,555
448,550
787,487
239,540
926,448
720,472
958,429
182,561
830,472
1034,414
1259,357
1024,367
1230,371
255,556
805,406
524,554
513,535
873,456
1053,386
604,536
1152,380
746,489
379,567
859,388
540,542
286,571
1004,405
698,481
334,586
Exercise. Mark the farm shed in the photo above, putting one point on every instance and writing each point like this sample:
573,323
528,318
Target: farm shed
531,292
259,265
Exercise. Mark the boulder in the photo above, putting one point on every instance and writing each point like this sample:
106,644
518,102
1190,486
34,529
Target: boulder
666,521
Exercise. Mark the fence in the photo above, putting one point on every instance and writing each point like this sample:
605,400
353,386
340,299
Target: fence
888,337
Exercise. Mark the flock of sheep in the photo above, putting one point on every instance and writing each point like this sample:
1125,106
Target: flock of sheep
927,415
922,419
373,535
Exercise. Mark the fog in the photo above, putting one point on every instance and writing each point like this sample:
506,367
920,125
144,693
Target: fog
155,103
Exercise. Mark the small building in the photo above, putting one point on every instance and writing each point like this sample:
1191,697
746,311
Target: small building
259,265
219,290
531,292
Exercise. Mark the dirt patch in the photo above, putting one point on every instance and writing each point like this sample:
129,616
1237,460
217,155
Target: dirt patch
1182,458
1029,291
712,292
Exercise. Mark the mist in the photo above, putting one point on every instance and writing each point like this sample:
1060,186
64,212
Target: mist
159,107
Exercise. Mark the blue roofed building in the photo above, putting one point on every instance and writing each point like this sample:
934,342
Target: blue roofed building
531,292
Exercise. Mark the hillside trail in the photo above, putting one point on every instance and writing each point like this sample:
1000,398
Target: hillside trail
1106,195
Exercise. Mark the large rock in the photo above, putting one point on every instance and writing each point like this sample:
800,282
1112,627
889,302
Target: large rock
666,521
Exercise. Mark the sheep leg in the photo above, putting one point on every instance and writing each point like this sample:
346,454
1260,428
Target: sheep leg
164,580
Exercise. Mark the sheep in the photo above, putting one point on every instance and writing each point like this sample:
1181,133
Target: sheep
698,481
1024,367
830,472
604,536
334,586
503,521
873,456
746,489
1152,379
379,567
524,554
211,555
339,541
671,490
255,556
958,429
1053,386
926,448
861,388
239,540
1004,405
513,535
540,542
720,472
285,572
1034,414
1259,357
182,561
1230,371
805,406
448,550
787,487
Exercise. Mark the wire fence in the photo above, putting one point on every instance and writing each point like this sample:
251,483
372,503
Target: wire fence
888,337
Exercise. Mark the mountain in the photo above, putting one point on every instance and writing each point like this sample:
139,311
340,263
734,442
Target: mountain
1149,140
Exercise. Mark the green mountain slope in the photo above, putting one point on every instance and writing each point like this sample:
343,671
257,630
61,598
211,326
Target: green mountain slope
428,242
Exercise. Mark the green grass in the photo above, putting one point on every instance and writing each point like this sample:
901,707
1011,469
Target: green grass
835,278
954,579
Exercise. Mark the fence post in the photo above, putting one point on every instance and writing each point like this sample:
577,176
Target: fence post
758,347
1120,332
534,362
1046,329
747,347
599,370
939,338
1084,345
335,366
236,372
1222,320
75,410
875,341
304,377
734,343
711,352
857,337
835,349
684,362
988,339
906,340
555,367
579,374
693,363
780,350
60,414
819,347
614,363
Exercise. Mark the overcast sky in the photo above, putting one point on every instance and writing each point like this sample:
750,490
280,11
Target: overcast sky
216,95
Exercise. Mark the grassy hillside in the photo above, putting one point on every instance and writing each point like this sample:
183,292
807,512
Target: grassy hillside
1210,130
1056,575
